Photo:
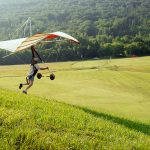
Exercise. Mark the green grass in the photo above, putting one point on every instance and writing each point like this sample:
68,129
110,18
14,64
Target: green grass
118,86
101,104
28,122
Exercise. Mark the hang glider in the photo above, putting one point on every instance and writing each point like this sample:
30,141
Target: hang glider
24,43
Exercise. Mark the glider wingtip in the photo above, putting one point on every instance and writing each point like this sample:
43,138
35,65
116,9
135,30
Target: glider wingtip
78,43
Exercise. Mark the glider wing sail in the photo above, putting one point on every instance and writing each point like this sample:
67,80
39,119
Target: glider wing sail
24,43
11,45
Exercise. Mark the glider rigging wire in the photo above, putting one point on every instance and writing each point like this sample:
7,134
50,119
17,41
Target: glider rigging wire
23,27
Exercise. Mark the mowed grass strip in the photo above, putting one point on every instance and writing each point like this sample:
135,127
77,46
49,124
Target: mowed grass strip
28,122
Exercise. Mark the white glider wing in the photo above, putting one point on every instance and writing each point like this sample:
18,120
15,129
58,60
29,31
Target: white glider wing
24,43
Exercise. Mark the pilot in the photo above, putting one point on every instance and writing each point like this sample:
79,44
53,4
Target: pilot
34,67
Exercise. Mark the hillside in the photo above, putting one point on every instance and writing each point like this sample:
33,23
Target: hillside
28,122
96,17
118,86
115,28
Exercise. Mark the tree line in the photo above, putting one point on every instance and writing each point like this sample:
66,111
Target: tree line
115,28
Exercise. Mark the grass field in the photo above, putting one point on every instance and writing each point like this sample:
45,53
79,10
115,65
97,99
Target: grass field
28,122
107,105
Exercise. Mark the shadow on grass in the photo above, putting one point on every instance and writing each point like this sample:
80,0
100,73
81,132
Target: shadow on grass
130,124
137,126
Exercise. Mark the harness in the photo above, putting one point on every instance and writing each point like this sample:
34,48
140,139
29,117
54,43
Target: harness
34,68
34,73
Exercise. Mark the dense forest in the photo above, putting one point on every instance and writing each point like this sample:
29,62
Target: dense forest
105,28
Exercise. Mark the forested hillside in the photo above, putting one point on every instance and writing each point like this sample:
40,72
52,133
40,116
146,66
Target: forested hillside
114,28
